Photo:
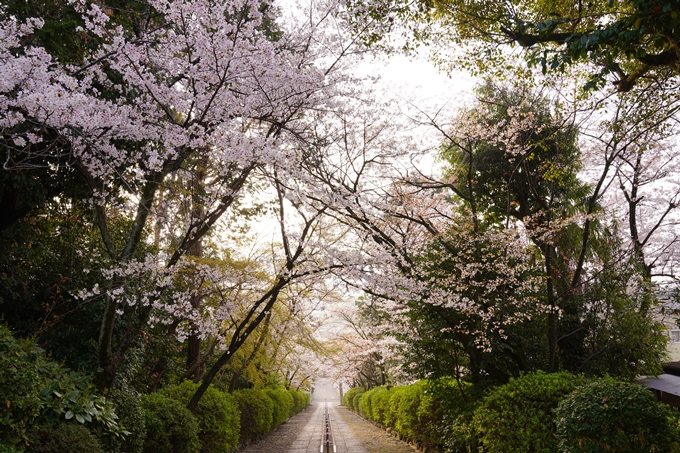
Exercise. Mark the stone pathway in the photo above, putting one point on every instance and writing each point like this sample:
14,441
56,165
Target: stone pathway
309,439
373,438
352,434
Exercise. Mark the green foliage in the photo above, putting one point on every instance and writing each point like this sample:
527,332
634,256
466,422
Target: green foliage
373,403
22,366
63,437
518,416
283,405
38,391
407,411
546,152
217,414
629,38
380,404
442,402
351,398
423,412
393,407
300,400
366,402
131,417
614,308
257,411
614,417
45,258
170,426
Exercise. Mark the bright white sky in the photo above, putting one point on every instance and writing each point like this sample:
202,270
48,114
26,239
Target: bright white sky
417,77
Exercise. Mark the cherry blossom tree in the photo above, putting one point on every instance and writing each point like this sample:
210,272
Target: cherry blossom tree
159,90
464,245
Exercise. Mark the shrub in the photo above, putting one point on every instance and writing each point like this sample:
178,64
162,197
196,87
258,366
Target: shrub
613,416
37,391
461,436
407,411
300,400
62,438
170,426
217,414
351,398
518,416
393,406
21,363
366,402
128,405
380,405
347,396
283,405
256,413
441,404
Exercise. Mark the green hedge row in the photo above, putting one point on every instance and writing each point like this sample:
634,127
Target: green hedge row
538,412
416,412
47,408
221,422
160,422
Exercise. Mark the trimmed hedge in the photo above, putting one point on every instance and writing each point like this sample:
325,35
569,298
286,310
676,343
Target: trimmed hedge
349,398
615,417
283,405
217,414
537,412
391,414
419,412
518,416
257,411
170,426
406,422
443,401
443,414
221,421
366,402
300,400
380,405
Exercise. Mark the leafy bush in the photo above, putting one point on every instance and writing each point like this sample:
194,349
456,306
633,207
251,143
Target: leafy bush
407,411
170,426
380,404
393,406
63,438
366,402
442,402
283,405
347,395
460,436
217,414
128,405
350,399
518,416
613,416
37,391
300,400
257,411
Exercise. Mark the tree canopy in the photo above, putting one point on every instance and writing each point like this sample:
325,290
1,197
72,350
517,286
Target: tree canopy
194,189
